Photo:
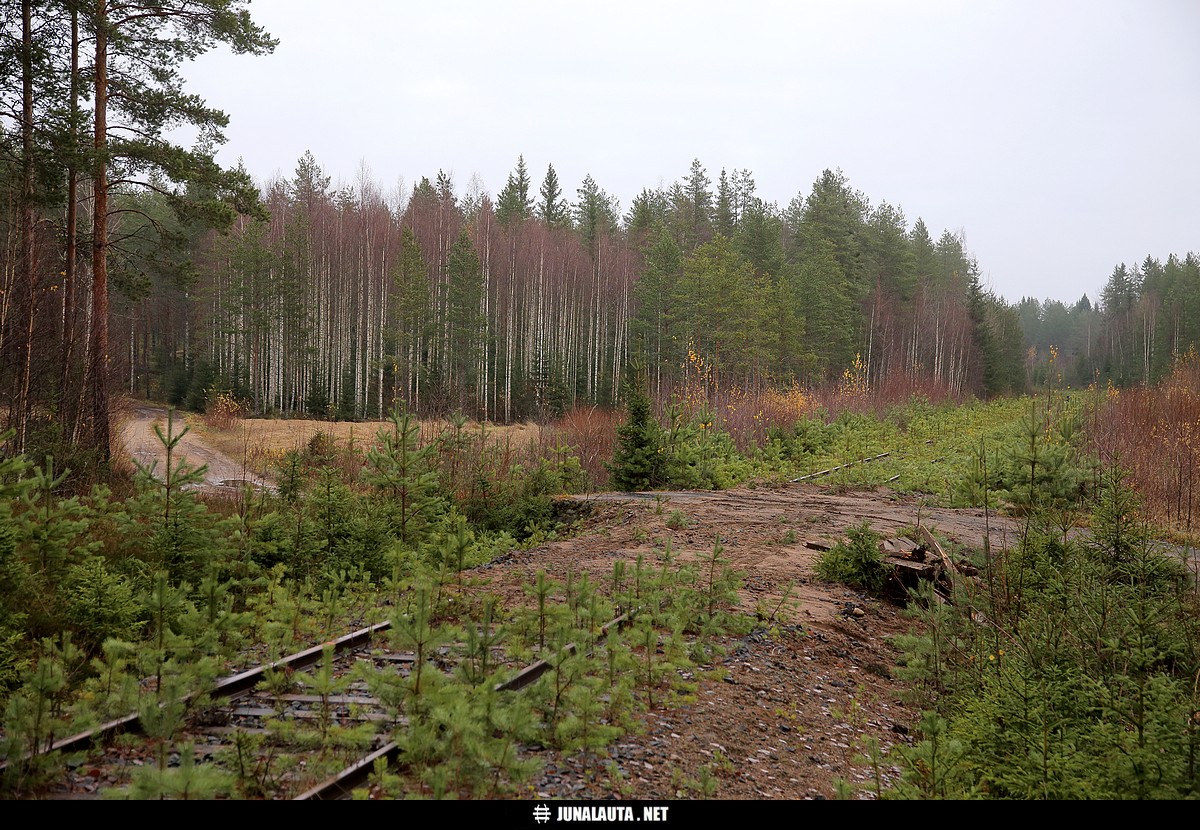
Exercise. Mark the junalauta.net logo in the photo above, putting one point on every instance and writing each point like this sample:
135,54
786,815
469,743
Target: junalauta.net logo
598,812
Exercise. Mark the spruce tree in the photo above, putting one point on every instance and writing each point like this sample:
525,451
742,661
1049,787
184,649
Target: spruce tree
410,326
552,207
466,323
514,203
656,324
637,462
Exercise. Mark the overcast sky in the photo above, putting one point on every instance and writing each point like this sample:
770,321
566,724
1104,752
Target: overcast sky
1059,137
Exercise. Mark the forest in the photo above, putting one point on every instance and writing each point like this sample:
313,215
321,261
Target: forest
137,267
699,338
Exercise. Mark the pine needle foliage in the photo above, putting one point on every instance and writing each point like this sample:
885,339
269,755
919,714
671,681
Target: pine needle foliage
857,561
1072,675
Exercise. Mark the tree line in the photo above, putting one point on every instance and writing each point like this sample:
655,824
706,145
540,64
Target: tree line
1148,317
89,95
133,264
346,301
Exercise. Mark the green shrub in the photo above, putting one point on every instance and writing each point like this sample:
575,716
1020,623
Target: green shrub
857,562
698,455
1082,684
101,604
678,520
808,437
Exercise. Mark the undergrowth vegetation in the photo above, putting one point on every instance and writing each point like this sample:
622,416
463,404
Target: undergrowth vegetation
1067,670
1154,433
856,562
1070,673
138,605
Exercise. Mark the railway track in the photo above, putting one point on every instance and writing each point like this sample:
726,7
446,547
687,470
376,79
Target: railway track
311,726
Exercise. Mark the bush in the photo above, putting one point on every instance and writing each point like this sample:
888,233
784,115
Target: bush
698,455
857,562
678,520
223,411
806,438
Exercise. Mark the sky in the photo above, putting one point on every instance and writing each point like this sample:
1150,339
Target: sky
1060,138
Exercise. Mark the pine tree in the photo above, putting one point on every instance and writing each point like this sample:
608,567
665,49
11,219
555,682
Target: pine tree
830,319
401,469
138,87
726,308
758,238
986,348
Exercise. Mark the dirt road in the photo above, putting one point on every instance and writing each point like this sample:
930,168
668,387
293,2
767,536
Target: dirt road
765,532
143,445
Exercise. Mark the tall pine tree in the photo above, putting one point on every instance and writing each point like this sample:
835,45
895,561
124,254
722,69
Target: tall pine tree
137,97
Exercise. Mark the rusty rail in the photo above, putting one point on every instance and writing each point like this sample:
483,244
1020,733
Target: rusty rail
229,687
340,786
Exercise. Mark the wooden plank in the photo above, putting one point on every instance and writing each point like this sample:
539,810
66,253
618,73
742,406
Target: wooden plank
921,569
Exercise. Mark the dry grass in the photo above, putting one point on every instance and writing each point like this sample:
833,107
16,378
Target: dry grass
261,443
589,433
748,413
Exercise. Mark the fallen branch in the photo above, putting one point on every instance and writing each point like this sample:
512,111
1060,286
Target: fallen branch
841,467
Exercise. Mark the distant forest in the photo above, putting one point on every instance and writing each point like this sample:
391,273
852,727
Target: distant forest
343,303
132,264
527,304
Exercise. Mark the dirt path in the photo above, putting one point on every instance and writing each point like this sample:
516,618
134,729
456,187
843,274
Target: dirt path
143,446
799,700
765,530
